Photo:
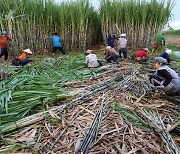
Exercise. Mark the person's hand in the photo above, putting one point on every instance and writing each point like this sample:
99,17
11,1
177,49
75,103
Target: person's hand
45,36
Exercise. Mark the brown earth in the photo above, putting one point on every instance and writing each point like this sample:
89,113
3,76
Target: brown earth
173,41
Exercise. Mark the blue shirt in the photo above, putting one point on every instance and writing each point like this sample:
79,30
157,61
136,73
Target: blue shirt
165,56
56,40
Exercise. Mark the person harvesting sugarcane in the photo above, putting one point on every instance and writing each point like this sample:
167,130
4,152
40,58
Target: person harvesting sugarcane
4,39
141,55
165,78
111,55
166,55
111,40
122,45
160,42
23,59
57,42
92,60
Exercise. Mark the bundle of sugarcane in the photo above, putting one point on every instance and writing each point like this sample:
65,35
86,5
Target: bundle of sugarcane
91,135
154,120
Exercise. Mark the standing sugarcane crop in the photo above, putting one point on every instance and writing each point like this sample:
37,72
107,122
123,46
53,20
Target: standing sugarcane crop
4,38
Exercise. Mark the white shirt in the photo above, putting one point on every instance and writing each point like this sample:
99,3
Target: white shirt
92,61
122,43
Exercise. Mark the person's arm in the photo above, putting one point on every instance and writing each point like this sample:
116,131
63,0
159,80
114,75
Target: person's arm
86,61
166,75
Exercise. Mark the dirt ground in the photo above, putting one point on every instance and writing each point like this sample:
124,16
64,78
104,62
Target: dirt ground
173,41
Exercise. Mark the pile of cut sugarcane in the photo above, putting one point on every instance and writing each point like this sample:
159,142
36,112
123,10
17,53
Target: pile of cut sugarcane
114,111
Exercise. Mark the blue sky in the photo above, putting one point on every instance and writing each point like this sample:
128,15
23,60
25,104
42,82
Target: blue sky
174,22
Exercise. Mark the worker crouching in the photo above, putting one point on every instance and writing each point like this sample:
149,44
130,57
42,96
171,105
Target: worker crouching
165,78
92,60
23,59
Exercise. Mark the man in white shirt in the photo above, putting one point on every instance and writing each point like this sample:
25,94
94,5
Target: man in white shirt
122,45
91,59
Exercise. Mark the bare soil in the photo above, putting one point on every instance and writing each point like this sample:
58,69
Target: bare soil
173,41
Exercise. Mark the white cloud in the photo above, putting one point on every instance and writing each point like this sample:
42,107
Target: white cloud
175,24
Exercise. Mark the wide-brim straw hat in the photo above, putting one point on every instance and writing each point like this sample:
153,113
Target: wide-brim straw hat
28,51
123,35
146,49
88,51
160,60
108,47
54,32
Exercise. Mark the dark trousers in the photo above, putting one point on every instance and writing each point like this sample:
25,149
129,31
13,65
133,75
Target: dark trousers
155,80
4,52
59,48
124,51
112,58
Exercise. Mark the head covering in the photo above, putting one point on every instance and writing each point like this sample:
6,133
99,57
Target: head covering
146,49
4,32
123,35
88,51
28,51
169,51
54,32
160,60
108,47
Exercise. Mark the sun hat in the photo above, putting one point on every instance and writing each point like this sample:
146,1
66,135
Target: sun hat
108,47
146,49
54,32
122,35
28,51
160,60
88,51
4,32
168,51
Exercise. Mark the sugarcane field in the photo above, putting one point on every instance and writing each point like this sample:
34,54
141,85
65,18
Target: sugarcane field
84,78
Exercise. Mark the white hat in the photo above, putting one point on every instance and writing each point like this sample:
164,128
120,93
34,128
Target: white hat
169,51
122,35
28,51
146,49
108,47
88,51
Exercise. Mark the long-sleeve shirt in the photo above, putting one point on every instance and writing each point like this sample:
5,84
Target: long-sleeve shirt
141,54
110,41
4,41
165,56
165,75
23,56
56,40
110,52
160,39
122,43
92,61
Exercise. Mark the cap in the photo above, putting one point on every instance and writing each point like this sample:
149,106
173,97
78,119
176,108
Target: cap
160,60
122,35
108,47
4,32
